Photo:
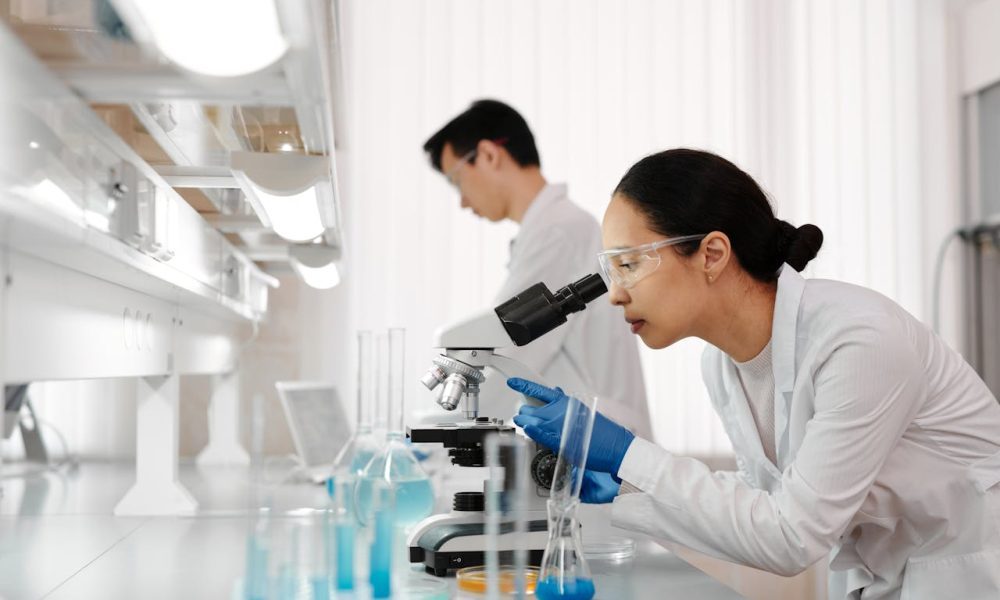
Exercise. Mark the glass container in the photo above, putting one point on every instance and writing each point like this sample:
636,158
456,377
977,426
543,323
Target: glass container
564,571
364,443
395,462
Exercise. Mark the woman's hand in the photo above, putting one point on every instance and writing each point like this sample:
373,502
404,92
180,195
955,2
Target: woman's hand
598,488
608,443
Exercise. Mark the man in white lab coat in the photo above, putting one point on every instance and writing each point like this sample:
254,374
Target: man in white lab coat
488,153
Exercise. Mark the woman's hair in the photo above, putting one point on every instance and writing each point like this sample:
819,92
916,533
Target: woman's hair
688,192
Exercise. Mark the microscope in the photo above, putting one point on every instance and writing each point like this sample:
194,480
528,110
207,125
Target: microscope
469,354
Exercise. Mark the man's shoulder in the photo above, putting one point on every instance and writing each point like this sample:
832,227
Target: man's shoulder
566,217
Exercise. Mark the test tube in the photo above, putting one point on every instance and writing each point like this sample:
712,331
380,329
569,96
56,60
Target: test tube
396,365
380,416
255,580
508,459
383,526
344,531
366,381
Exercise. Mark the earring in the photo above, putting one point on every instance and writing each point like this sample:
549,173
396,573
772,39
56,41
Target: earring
710,278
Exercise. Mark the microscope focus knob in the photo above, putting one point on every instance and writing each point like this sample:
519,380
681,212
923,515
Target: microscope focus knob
543,468
468,457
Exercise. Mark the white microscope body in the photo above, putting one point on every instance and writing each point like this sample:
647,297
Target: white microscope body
469,355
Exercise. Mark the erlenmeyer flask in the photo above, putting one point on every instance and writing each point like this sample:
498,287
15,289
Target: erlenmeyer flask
354,456
395,462
564,572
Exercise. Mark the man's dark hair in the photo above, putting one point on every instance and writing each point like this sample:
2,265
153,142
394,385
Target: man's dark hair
485,120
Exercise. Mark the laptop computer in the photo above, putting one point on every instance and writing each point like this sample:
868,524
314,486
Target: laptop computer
318,424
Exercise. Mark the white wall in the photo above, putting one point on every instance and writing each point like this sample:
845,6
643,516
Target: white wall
843,111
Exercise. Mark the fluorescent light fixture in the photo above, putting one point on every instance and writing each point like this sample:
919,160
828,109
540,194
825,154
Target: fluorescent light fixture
220,38
51,195
316,264
288,191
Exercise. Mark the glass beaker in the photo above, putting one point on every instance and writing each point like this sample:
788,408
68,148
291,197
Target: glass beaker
395,463
364,443
564,572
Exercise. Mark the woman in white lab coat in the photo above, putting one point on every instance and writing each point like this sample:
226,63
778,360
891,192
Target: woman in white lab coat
858,433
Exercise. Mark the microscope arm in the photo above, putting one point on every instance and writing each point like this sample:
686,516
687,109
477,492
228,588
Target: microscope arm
508,367
469,345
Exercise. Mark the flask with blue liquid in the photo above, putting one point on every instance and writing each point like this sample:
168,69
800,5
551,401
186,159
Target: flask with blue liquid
364,442
395,462
564,574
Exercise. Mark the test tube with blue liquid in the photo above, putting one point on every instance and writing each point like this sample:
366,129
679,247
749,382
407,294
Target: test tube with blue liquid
341,530
564,572
255,578
383,531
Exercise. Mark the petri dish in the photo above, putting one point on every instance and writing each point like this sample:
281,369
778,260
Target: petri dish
609,548
420,586
473,579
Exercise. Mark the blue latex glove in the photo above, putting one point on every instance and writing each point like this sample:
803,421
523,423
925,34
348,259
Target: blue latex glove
608,442
598,488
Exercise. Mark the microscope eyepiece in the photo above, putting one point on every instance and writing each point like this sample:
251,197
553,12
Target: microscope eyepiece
590,287
537,311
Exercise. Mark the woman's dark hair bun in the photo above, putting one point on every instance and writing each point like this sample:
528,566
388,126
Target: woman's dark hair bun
690,192
798,245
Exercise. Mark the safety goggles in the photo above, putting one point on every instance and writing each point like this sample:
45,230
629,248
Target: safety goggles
468,158
626,266
452,174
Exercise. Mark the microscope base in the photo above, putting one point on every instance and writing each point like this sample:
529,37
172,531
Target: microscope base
440,564
457,540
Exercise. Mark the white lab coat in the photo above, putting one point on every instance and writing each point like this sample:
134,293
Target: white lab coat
888,452
557,244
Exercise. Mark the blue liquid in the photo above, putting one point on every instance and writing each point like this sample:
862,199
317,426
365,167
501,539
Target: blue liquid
361,459
320,588
287,584
255,581
345,556
414,500
381,555
572,589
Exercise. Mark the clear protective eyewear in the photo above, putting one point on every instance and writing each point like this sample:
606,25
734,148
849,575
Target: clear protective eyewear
452,174
467,158
626,266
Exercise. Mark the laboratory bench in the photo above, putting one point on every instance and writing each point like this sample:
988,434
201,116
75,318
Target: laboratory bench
59,538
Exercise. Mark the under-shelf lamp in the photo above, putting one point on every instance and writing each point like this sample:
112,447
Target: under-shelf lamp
219,38
289,192
316,264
